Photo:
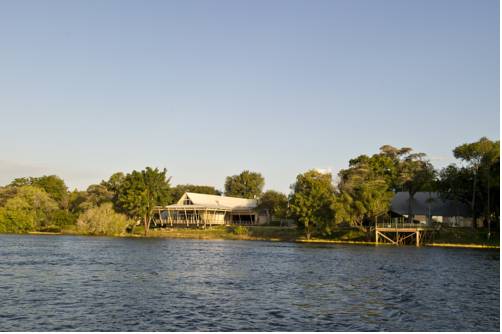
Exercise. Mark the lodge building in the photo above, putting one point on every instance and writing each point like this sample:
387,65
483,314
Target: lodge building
194,209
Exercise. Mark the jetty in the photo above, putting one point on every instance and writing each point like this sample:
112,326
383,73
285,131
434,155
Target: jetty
398,233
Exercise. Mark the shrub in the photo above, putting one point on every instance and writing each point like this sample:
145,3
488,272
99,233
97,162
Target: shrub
239,230
102,220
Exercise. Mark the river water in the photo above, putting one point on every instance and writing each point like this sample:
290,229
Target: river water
65,283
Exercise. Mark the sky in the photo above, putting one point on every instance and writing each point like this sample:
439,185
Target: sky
207,89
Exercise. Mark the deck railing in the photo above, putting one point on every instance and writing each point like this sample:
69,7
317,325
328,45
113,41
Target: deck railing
401,225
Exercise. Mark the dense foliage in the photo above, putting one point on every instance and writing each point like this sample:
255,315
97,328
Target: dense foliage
274,203
30,209
141,191
102,220
477,181
311,201
246,185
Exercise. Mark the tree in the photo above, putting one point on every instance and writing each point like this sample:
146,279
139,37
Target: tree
51,184
180,189
275,203
113,185
365,188
141,191
311,201
94,196
483,163
416,174
102,220
246,185
30,209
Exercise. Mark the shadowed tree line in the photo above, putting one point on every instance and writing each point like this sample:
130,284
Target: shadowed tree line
366,188
361,196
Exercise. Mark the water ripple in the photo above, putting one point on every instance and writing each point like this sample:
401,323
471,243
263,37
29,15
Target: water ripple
63,283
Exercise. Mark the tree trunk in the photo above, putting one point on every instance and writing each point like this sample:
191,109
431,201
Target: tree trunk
488,208
474,224
146,224
307,231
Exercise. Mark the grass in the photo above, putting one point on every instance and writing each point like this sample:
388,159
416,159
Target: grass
446,237
465,236
271,233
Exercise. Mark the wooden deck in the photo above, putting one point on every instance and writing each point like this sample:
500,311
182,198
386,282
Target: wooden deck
403,234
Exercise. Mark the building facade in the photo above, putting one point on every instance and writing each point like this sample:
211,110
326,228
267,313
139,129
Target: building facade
194,209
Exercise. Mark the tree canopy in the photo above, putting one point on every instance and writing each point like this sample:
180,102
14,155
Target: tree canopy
311,201
477,182
52,184
30,209
275,203
246,185
142,190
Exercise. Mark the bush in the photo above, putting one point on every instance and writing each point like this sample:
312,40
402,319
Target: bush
102,220
62,218
239,230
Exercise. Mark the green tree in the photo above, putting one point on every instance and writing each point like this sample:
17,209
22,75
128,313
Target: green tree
102,220
311,201
7,193
94,196
483,165
114,185
246,185
365,188
141,191
180,189
51,184
29,210
275,203
416,174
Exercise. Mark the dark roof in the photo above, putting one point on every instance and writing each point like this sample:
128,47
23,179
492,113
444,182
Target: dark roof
422,202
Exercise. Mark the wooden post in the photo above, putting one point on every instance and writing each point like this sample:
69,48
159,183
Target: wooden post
376,236
418,238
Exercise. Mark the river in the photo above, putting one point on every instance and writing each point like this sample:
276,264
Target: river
67,283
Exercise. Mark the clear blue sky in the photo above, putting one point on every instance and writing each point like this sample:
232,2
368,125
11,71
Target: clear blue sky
210,88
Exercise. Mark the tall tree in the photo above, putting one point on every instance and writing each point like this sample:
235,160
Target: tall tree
247,185
365,188
311,201
141,191
483,159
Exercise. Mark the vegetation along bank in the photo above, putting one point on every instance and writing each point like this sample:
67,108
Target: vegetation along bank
316,208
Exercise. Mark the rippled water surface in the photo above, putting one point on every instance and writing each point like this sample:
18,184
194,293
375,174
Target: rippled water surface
84,283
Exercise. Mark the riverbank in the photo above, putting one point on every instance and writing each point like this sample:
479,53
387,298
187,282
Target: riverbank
455,239
451,238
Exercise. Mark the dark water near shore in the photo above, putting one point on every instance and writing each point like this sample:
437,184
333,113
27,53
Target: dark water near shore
66,283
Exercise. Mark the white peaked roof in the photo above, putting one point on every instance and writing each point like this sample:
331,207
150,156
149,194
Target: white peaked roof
216,201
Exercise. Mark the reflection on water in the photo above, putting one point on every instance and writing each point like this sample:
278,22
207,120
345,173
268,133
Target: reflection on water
84,283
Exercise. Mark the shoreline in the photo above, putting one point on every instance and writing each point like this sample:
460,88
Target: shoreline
207,236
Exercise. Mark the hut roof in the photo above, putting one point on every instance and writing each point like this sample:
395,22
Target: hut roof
216,201
424,201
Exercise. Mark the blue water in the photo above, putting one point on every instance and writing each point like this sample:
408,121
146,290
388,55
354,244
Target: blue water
65,283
